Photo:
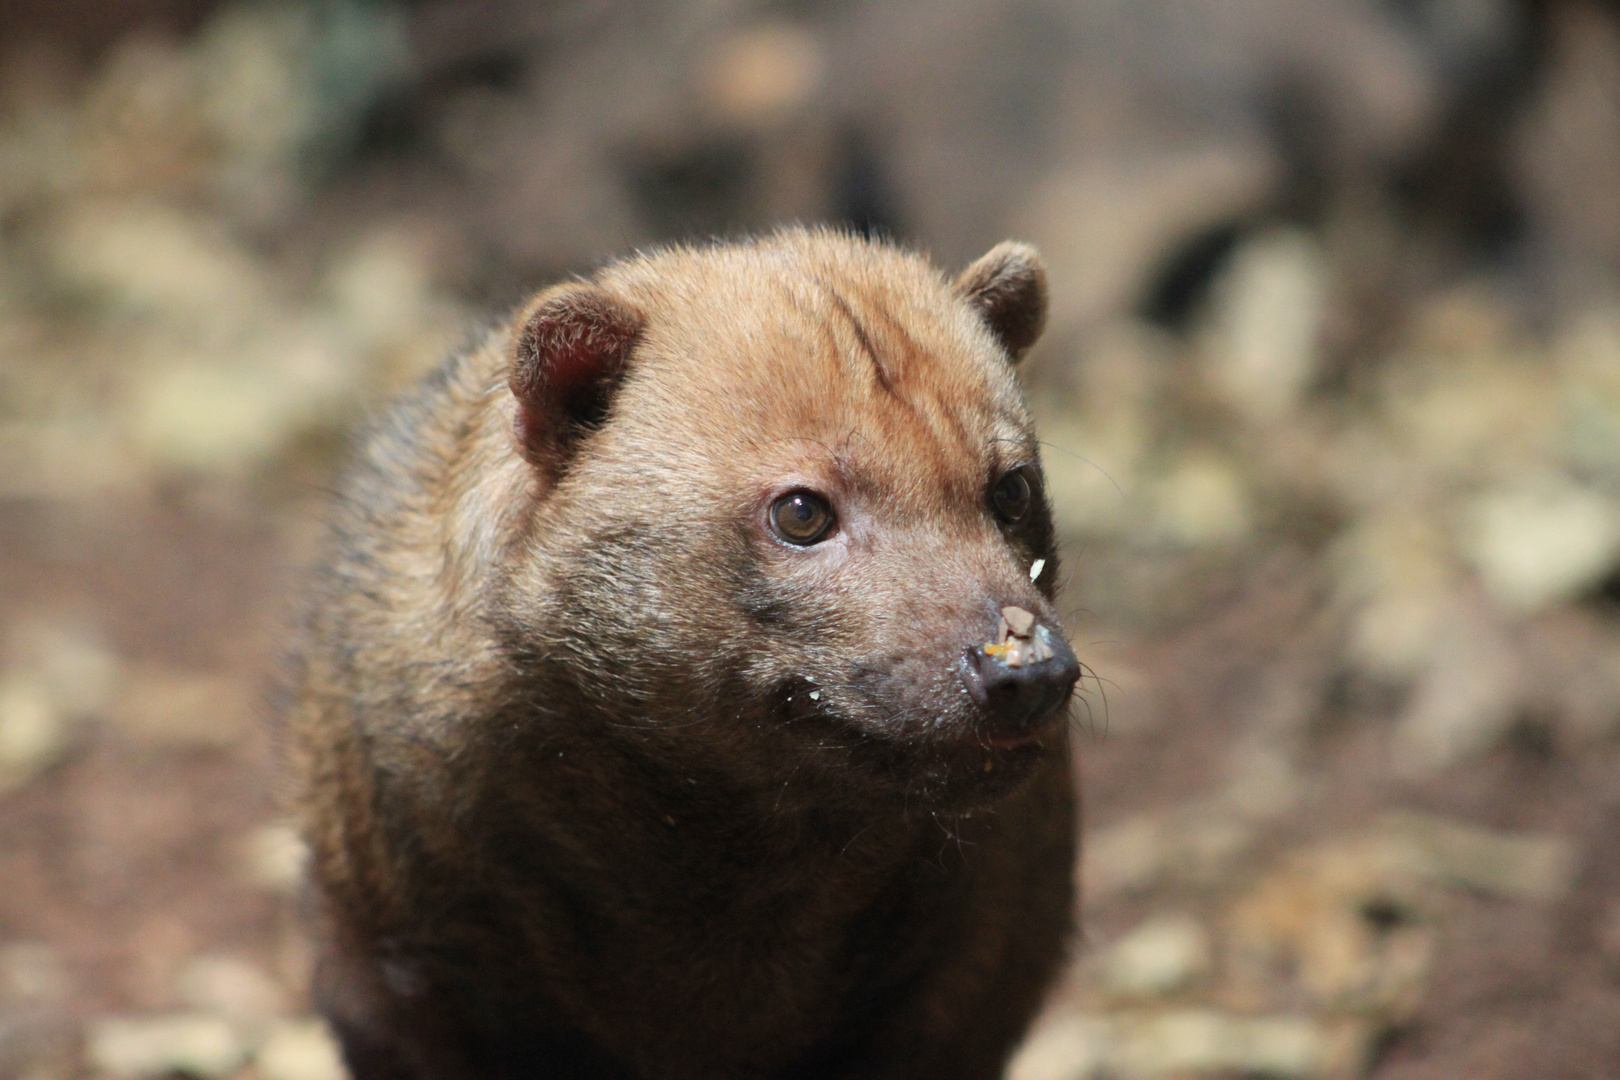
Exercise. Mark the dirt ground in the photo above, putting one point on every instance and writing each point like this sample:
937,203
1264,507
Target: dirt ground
1331,402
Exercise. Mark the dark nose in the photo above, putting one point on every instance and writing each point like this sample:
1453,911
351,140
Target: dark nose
1022,681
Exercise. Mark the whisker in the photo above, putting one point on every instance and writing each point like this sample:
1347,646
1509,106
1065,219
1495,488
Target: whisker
1081,457
845,849
1082,697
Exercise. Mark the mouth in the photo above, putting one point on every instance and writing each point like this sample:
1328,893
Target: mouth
1011,741
807,703
986,737
802,700
957,755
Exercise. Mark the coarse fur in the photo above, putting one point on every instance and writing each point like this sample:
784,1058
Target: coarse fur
601,778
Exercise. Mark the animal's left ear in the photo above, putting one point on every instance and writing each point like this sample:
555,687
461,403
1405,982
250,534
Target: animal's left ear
569,348
1007,287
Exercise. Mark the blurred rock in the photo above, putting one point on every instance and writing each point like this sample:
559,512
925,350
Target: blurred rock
34,729
1588,351
1064,1045
1208,839
1459,416
1516,866
76,458
1189,1042
210,418
1395,570
224,388
285,87
300,1049
1120,858
1541,539
1194,1041
381,283
197,1044
1269,302
273,857
1159,957
758,76
1347,920
59,673
1466,698
382,286
1195,844
321,366
229,987
163,706
139,193
1203,499
140,125
70,656
147,257
253,61
1126,369
262,97
32,973
1263,782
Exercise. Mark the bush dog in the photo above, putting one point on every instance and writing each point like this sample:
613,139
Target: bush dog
682,697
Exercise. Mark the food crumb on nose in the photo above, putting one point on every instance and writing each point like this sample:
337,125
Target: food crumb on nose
1019,622
1017,642
1035,568
815,695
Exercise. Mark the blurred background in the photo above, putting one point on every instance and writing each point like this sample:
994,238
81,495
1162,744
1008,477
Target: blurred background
1331,399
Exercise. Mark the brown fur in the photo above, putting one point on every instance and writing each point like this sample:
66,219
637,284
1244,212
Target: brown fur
573,808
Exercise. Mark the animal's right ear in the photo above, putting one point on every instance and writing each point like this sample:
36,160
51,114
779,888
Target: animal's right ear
569,349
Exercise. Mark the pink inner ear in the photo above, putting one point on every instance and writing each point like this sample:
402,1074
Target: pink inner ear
564,363
578,362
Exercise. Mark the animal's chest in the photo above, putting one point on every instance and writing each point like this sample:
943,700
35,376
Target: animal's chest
741,971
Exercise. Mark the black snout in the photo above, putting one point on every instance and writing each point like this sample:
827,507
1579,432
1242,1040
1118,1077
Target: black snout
1021,699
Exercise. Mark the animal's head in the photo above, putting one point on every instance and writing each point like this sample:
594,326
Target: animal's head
791,513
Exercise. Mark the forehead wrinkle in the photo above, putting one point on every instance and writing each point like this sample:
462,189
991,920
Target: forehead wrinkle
910,362
905,462
940,443
809,310
943,416
894,328
882,377
923,435
961,421
807,294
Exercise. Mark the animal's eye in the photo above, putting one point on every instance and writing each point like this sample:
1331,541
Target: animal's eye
1011,496
801,518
